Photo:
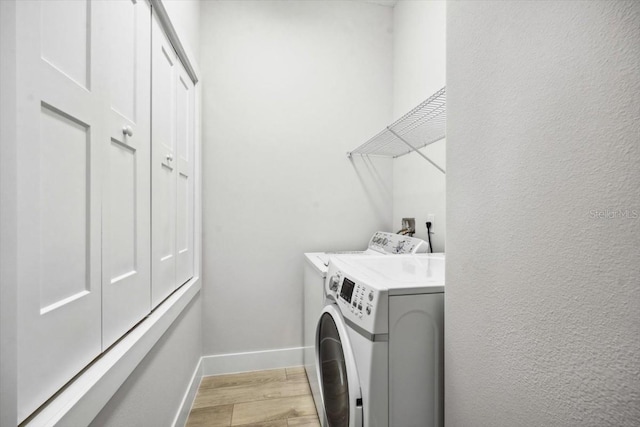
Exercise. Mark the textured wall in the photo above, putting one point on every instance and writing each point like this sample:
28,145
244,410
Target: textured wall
543,294
419,66
289,88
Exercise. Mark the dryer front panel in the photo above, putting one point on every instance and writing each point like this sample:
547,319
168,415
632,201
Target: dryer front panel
338,377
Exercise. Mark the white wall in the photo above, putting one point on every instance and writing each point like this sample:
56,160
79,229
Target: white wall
8,215
419,68
543,296
290,87
185,17
153,393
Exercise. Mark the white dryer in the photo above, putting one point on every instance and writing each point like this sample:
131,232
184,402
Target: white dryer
315,270
380,342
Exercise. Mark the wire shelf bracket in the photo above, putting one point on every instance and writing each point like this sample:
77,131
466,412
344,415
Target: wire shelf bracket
423,125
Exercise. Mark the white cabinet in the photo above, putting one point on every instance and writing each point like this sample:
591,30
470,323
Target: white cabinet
91,182
185,111
163,173
173,110
61,132
126,233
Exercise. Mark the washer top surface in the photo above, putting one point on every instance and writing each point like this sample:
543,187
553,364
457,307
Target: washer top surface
398,275
315,259
381,243
326,256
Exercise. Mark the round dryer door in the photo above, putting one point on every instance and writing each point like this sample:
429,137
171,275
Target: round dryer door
338,377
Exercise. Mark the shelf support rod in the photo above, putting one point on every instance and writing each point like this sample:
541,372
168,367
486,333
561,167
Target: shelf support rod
416,150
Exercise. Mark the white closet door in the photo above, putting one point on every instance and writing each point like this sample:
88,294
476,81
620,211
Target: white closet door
60,129
126,233
163,166
185,111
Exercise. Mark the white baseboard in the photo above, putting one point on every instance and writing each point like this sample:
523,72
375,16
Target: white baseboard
231,363
189,397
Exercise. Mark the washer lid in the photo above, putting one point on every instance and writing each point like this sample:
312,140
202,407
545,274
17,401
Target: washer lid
316,260
400,274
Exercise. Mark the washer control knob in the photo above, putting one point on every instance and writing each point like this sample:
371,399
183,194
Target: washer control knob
368,309
370,295
334,282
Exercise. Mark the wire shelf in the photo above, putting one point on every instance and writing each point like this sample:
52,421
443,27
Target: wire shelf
423,125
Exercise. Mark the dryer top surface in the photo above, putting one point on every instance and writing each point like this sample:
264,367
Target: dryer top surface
401,274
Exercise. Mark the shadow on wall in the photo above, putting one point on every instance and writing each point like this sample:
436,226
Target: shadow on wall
372,182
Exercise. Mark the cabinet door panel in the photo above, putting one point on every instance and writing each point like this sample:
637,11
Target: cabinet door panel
66,38
127,30
163,169
126,278
59,130
185,203
63,189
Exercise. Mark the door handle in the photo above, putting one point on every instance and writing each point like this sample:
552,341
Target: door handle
126,130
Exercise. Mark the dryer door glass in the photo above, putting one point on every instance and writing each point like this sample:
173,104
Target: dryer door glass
333,373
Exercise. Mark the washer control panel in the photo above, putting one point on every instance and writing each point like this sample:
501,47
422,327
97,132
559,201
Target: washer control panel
391,243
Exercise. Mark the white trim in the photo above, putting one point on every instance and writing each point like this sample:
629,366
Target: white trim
189,396
83,398
172,35
251,361
197,191
8,216
231,363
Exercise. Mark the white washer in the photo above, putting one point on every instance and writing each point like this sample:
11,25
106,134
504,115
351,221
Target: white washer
380,342
315,270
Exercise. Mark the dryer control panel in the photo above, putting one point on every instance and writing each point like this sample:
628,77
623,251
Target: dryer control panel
390,243
361,304
358,296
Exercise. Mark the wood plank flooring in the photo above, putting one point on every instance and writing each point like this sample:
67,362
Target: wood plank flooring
273,398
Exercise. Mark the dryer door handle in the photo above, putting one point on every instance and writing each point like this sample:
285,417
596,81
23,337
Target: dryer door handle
358,414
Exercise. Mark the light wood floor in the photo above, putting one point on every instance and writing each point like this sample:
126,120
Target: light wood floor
274,398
